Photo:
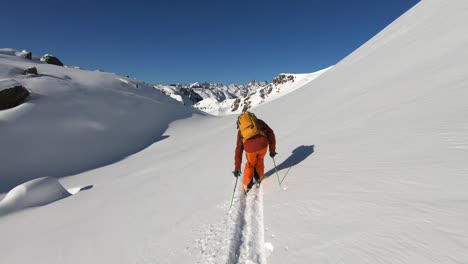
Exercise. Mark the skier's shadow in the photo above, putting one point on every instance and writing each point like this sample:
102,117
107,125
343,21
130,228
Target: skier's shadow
298,155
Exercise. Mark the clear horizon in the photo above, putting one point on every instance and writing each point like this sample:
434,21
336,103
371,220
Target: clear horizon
205,41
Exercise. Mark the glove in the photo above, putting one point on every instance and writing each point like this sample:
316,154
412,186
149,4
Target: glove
273,154
236,173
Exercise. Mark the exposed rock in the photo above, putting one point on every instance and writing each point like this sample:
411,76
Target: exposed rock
247,103
50,59
192,95
12,96
266,91
236,105
31,71
283,78
27,54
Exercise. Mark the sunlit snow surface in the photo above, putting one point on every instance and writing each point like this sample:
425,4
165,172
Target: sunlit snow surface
372,164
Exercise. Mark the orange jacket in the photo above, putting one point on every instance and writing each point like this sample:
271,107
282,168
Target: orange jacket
255,143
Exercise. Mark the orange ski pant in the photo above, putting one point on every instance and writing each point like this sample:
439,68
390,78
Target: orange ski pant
254,162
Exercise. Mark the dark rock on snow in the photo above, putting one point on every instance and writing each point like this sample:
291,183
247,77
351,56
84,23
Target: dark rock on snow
192,95
27,55
31,70
12,96
265,91
282,78
49,59
236,105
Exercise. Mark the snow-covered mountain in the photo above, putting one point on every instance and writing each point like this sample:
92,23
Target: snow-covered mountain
220,99
73,119
372,163
192,93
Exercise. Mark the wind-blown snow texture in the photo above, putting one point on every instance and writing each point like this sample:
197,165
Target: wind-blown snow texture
372,153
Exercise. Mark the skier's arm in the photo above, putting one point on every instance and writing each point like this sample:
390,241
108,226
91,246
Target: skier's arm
271,138
238,154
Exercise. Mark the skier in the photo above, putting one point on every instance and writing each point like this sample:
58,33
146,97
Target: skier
254,136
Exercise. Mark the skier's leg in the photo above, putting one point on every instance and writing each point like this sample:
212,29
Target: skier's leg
260,165
248,171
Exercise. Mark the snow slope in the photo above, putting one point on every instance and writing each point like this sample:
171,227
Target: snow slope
373,169
387,181
75,120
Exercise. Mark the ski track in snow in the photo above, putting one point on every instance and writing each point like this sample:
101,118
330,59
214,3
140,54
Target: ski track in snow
240,237
247,244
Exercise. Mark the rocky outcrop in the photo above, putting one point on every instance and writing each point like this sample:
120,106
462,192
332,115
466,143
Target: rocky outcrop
27,55
236,105
283,78
192,95
12,96
265,91
30,71
247,104
50,59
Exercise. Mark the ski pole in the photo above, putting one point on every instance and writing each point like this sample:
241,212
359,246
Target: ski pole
232,199
276,170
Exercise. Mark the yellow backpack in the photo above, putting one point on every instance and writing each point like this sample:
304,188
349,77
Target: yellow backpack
247,125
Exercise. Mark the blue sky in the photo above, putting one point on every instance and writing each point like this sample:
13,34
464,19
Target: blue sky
177,41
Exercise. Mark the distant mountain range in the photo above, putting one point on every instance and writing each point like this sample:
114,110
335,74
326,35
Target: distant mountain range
221,99
212,98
